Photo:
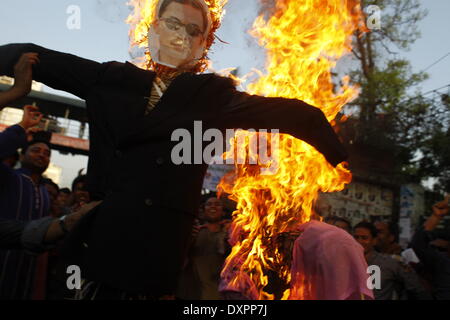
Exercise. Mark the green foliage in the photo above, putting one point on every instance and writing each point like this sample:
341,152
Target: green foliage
391,115
436,151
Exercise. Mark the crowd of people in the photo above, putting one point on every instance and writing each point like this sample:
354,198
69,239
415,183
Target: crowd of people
419,272
35,214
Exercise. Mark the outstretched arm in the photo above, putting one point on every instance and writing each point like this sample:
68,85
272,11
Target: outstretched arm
38,235
290,116
22,79
58,70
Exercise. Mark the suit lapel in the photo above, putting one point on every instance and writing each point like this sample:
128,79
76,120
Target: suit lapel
177,95
182,89
139,81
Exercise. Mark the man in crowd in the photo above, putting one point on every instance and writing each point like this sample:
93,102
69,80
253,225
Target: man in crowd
80,195
387,233
394,278
64,196
53,192
343,223
433,250
207,255
23,197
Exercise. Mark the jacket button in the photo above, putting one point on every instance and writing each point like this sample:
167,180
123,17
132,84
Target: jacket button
160,160
148,202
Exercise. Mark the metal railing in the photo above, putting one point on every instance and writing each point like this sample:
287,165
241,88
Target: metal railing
66,127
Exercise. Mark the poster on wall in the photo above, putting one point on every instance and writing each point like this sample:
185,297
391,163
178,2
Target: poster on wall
362,201
214,174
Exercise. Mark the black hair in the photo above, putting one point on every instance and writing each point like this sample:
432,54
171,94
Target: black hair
33,142
369,226
193,3
393,229
14,155
80,179
65,190
330,219
340,219
391,226
50,182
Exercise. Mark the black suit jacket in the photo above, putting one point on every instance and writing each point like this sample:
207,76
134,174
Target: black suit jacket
149,202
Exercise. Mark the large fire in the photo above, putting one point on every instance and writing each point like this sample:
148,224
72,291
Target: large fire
303,41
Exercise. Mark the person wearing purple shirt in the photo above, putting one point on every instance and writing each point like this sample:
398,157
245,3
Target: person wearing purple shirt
22,195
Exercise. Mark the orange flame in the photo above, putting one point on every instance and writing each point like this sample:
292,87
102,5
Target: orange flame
304,40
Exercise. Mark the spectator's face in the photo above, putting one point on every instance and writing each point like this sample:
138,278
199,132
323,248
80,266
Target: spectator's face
180,35
63,198
37,157
55,204
80,194
384,238
52,192
365,239
213,210
343,225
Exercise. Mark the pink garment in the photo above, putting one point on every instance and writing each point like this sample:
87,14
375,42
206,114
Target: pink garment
328,264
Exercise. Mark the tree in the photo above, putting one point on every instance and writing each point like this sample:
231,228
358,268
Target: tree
392,116
436,148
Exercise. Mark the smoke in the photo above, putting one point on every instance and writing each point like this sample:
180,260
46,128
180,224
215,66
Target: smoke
112,11
267,7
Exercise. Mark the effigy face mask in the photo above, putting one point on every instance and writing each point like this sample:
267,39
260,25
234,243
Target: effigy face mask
177,38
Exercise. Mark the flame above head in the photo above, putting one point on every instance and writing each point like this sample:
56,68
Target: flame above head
144,14
303,42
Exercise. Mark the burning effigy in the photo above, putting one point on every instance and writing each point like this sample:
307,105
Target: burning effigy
303,41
